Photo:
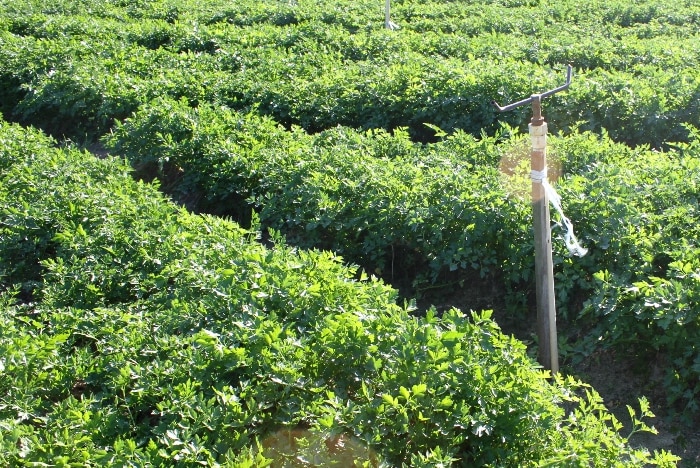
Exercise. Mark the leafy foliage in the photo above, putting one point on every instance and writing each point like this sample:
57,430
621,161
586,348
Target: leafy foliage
377,199
322,64
312,119
640,213
160,337
427,211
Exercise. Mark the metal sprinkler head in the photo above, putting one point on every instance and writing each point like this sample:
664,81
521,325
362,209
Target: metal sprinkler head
536,100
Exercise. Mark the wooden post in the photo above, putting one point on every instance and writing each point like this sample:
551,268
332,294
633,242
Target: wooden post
388,24
548,354
387,15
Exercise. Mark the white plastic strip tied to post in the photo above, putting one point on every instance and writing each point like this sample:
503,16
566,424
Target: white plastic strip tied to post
388,24
538,135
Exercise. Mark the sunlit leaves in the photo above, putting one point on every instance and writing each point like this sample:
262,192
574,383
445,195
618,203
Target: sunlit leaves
161,337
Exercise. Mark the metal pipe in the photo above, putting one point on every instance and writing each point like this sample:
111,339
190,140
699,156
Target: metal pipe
541,96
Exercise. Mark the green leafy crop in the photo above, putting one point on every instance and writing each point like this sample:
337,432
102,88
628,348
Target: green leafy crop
157,337
308,125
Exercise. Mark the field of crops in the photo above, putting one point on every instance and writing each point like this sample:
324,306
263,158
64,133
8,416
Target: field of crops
233,284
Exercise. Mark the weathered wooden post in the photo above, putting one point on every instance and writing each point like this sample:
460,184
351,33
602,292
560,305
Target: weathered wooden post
548,354
388,24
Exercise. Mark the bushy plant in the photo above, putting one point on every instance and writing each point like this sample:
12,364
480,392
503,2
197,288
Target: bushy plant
639,213
161,337
377,199
326,64
198,89
423,211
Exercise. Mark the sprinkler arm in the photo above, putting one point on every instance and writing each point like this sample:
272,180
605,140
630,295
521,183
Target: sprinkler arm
536,96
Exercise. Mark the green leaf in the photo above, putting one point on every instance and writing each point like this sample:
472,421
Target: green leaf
390,400
419,389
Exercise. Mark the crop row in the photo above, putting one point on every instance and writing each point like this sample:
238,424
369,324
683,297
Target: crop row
134,332
451,210
318,65
642,209
379,200
198,89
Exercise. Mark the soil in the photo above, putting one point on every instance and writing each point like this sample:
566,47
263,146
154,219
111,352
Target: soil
620,383
618,378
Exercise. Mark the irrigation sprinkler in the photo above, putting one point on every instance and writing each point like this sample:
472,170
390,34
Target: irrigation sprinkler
548,354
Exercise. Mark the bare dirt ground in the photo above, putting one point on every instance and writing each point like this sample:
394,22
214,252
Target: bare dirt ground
617,378
621,384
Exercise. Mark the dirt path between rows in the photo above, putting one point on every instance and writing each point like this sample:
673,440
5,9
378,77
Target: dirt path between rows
612,375
621,384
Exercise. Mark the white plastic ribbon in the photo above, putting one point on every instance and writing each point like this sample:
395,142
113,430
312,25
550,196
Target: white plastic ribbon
388,24
570,239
